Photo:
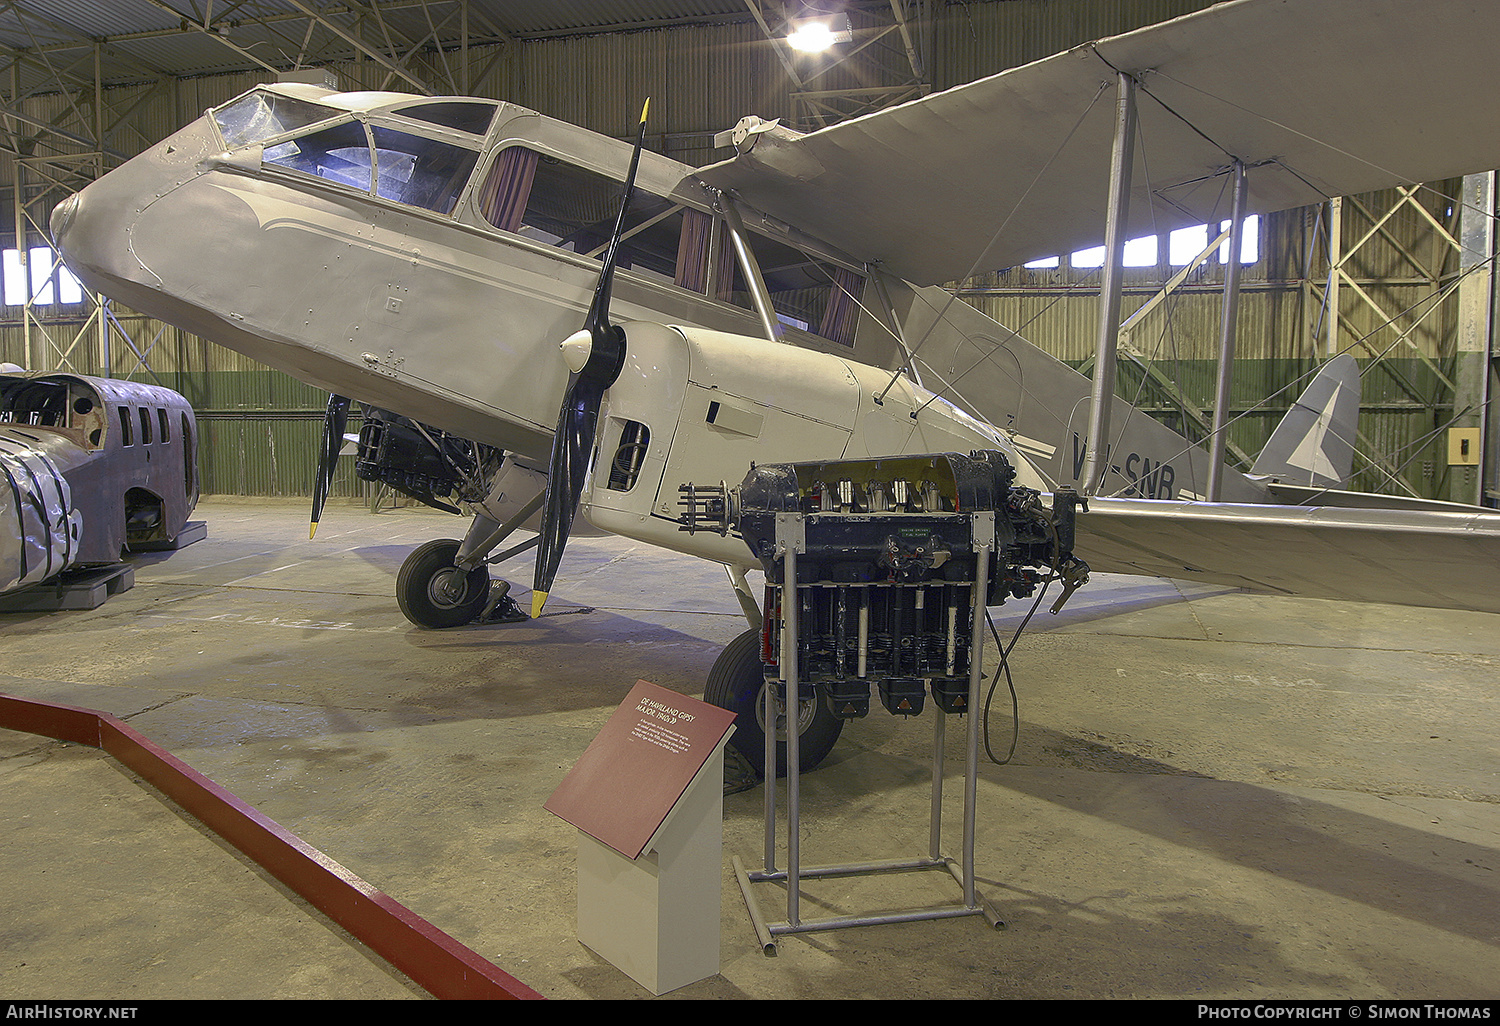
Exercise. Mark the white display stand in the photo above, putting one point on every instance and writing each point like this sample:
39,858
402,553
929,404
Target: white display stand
656,917
647,798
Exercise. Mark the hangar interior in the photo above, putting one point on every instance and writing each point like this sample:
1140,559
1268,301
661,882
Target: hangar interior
1211,794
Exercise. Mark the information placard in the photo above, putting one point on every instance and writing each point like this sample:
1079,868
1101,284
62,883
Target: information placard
628,779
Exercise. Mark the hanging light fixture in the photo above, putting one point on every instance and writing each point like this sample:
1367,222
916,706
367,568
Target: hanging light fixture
814,35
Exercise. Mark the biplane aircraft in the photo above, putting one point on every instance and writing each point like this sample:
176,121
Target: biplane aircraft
428,256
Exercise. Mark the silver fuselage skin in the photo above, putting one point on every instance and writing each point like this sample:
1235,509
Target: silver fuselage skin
450,321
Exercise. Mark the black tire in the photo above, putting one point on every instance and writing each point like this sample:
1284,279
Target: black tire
736,683
429,593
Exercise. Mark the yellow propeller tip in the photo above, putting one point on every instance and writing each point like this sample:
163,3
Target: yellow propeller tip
312,530
644,108
538,600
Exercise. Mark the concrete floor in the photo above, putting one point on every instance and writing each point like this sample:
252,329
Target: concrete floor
1214,795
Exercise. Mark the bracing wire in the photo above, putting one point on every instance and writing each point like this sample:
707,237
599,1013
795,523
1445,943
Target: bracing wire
974,268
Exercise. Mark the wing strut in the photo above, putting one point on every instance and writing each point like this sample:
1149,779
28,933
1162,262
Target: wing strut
1121,163
1226,338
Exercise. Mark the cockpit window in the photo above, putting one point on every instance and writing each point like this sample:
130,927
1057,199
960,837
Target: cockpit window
340,154
420,172
464,115
260,116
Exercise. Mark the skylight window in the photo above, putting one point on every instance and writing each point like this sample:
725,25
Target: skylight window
1138,253
1186,243
1141,252
39,261
1092,257
15,278
1249,241
45,288
1183,245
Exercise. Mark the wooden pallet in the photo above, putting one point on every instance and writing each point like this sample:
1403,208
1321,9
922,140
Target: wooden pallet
73,589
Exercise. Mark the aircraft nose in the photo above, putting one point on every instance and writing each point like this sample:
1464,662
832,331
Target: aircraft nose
99,229
62,219
90,228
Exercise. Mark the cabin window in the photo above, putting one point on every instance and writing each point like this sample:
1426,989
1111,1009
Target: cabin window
559,204
339,154
502,198
34,403
461,115
162,422
574,209
125,425
189,468
260,116
420,172
693,253
145,426
808,294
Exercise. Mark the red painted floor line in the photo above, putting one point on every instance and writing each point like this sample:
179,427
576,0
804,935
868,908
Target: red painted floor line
436,962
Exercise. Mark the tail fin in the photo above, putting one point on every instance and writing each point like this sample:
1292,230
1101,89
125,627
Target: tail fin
1314,443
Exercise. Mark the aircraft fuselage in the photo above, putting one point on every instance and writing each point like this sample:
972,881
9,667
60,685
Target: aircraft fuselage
427,256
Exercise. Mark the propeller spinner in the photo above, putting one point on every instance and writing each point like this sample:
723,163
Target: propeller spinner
594,355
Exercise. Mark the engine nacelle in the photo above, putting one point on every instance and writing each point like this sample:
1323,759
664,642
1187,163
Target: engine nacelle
430,465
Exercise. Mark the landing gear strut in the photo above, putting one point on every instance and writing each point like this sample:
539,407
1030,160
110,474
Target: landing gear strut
433,592
446,583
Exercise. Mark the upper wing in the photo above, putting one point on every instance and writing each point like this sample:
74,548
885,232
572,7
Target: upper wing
1317,97
1436,558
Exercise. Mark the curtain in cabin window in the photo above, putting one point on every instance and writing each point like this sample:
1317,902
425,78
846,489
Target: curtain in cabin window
502,201
842,311
692,250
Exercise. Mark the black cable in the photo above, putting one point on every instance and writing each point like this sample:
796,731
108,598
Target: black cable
1005,650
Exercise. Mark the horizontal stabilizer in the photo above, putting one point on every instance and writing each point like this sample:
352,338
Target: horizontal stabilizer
1314,443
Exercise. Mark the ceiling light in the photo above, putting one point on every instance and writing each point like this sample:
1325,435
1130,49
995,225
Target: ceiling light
814,35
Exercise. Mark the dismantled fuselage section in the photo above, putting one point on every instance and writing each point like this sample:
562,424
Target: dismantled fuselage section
90,467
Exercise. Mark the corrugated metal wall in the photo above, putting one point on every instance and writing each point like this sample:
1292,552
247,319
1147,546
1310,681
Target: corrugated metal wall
261,429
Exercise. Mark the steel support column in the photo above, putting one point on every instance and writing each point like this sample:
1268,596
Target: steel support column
1474,464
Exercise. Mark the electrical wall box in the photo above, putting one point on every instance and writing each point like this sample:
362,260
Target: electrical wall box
1463,447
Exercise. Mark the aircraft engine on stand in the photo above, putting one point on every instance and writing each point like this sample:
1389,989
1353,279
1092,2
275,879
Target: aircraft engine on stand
886,564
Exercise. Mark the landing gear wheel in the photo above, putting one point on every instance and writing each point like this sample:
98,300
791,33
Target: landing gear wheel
435,593
735,683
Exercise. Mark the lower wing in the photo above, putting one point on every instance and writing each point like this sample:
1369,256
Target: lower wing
1422,557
